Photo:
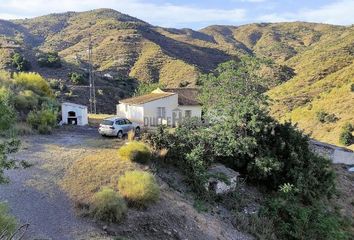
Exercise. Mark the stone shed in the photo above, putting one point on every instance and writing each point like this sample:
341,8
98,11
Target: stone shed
74,114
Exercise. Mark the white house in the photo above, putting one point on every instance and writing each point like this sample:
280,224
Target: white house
167,106
73,113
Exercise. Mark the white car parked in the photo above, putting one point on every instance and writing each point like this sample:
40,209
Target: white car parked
117,126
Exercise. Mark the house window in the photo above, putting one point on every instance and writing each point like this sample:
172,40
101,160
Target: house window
161,112
188,113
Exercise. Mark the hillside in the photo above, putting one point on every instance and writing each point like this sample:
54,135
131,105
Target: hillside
317,57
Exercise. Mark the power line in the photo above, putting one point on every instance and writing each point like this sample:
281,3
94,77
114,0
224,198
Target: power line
92,94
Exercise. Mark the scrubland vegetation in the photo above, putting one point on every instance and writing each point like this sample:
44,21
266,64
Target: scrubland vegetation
274,156
27,97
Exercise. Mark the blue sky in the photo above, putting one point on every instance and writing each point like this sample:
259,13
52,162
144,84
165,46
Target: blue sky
195,14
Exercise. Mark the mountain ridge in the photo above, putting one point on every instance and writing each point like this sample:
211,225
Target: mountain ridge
131,51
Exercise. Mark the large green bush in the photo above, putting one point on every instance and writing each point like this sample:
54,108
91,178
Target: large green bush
108,206
50,59
20,63
43,120
294,220
135,151
139,188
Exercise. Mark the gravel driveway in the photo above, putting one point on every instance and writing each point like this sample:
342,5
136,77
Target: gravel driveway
33,194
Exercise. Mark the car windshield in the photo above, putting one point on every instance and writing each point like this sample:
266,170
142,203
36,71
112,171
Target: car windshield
107,122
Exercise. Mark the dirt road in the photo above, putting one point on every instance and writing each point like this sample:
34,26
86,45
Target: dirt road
33,194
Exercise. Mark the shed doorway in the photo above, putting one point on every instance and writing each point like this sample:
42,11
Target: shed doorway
72,119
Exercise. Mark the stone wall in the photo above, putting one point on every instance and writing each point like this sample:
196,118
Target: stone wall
335,153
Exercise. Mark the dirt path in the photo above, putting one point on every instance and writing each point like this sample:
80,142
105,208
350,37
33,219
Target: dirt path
33,194
34,197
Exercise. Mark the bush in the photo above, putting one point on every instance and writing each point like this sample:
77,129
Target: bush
108,206
43,120
346,137
8,115
26,100
34,82
51,60
7,222
139,188
76,78
20,63
293,220
324,117
135,151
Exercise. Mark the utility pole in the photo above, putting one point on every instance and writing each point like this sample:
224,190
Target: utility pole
92,90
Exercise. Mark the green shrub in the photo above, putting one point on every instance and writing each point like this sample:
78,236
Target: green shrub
20,63
135,151
293,220
324,117
76,78
346,137
139,188
7,222
8,115
108,206
26,100
34,82
43,120
51,60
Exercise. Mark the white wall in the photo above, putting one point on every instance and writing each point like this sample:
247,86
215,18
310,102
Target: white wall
150,108
81,113
148,111
132,112
196,110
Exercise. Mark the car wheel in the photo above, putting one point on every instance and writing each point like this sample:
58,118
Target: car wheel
120,134
137,130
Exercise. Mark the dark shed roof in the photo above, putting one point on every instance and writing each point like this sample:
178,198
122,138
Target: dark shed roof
186,96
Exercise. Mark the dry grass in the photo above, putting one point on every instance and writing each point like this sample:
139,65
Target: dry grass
96,119
89,174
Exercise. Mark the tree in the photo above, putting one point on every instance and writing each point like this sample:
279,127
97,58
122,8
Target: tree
51,60
244,135
20,63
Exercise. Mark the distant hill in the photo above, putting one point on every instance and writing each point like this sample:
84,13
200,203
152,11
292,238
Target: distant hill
128,51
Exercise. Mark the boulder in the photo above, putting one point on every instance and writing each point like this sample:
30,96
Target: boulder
221,179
